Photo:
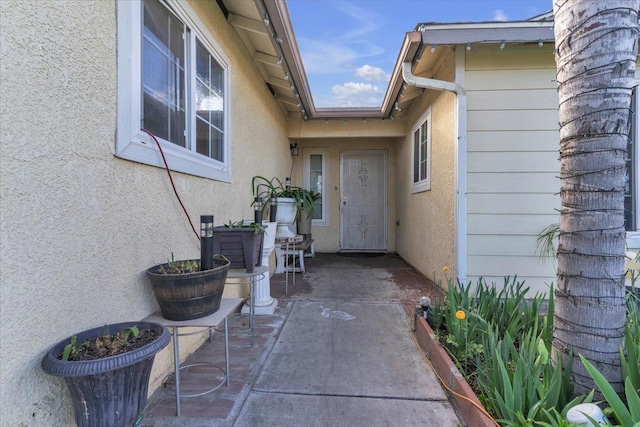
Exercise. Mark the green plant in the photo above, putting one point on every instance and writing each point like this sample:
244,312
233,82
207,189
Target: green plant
179,267
258,228
627,415
268,189
103,346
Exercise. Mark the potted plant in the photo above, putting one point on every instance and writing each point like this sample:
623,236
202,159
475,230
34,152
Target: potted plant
107,370
305,214
240,243
184,291
289,201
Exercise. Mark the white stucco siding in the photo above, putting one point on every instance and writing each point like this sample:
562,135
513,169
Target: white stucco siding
78,226
512,156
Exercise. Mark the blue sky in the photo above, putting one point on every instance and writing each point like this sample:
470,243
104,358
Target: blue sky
349,47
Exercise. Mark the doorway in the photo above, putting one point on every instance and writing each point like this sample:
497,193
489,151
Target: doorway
363,201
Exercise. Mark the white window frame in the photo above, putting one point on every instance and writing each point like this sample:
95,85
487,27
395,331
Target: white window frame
425,184
306,168
134,144
633,237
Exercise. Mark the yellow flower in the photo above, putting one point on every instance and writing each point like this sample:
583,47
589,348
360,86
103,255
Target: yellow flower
460,314
446,270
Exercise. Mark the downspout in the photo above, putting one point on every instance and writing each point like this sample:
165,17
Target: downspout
460,155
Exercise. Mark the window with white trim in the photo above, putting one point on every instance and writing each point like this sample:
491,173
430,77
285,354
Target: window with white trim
173,82
422,154
631,179
314,179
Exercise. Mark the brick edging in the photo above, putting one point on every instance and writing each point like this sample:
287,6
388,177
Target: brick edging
447,370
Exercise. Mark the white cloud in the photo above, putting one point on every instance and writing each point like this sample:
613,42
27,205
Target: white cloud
352,94
372,74
499,15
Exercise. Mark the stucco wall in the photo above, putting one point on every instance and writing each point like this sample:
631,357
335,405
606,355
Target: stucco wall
327,237
512,161
79,226
426,232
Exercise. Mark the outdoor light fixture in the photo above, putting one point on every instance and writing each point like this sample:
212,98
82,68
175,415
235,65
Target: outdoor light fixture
433,48
266,20
502,45
468,46
257,210
272,208
540,43
280,60
286,76
294,149
206,242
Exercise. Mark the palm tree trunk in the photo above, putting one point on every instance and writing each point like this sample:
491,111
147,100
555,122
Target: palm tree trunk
596,51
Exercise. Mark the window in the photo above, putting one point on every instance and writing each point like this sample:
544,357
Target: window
314,180
631,179
422,154
172,82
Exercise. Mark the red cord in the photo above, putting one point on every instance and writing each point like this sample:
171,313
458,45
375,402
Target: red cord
172,184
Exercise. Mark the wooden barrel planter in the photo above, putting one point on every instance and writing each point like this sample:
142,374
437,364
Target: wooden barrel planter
186,296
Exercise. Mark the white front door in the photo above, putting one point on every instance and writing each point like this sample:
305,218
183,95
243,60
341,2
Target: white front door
363,201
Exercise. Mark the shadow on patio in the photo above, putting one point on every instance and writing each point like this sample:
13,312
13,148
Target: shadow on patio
337,351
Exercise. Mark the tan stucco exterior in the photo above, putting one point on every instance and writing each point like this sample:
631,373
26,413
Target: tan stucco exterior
80,226
426,230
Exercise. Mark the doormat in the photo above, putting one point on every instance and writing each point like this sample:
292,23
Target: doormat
361,254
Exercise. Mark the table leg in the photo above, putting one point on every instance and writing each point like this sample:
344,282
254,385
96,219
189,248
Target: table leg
226,350
176,362
252,285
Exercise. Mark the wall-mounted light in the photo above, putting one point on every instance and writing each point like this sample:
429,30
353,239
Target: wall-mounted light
540,43
294,149
468,47
502,45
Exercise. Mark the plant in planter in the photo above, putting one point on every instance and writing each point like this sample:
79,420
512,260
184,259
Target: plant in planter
108,374
289,200
307,198
240,243
184,291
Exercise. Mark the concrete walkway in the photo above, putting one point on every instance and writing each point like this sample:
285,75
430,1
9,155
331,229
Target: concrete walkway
338,351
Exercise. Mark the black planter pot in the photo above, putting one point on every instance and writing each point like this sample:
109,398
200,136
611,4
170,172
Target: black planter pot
188,296
241,246
111,391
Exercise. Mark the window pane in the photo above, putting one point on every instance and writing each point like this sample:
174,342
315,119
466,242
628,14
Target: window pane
163,74
630,190
315,182
416,156
209,104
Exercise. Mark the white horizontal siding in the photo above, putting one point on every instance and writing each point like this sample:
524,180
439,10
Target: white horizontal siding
512,162
524,99
508,224
520,120
511,203
513,182
513,140
536,285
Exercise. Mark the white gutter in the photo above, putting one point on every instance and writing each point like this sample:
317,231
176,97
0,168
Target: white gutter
460,152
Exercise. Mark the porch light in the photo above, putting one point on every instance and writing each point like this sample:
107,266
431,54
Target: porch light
257,210
502,45
468,47
206,242
294,149
540,43
273,208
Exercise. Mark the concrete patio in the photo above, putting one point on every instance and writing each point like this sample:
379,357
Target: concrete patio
337,351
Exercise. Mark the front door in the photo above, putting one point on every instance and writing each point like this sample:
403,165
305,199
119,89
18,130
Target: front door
363,201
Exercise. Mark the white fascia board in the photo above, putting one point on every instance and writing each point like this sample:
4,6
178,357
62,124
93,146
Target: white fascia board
520,32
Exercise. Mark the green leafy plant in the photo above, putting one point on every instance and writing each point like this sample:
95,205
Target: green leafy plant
258,228
103,346
179,267
627,415
267,189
